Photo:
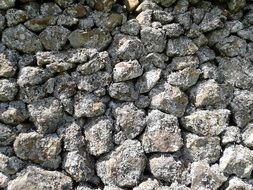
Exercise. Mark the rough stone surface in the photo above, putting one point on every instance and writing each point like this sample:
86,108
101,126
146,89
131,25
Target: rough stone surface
8,90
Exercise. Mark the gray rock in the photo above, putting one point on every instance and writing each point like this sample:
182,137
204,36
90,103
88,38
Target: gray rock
127,70
44,180
237,160
152,60
8,66
181,46
27,42
76,11
10,165
236,6
205,177
91,39
6,4
162,133
209,71
54,37
40,23
247,136
246,33
237,183
166,3
123,91
142,102
15,16
50,8
217,36
4,179
2,23
153,39
231,134
242,101
145,18
37,148
86,23
126,47
64,3
130,119
7,134
131,27
207,123
169,99
162,16
67,21
47,114
8,90
130,155
88,105
205,54
179,63
78,165
29,94
148,184
173,30
202,148
234,26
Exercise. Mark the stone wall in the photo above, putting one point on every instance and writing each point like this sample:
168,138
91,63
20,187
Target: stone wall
142,95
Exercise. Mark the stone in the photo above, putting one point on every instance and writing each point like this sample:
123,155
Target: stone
126,47
30,94
148,80
8,90
104,5
76,10
130,154
237,183
47,114
20,38
234,26
166,3
217,36
169,99
162,16
236,6
91,39
4,179
6,4
247,136
237,160
246,33
162,133
130,119
88,105
40,23
242,101
131,27
181,46
145,18
50,8
127,70
131,4
64,3
78,165
207,123
15,16
153,60
184,79
205,54
8,66
7,134
44,179
2,23
205,177
209,71
123,91
153,39
98,136
37,148
173,30
179,63
148,184
54,37
231,134
10,165
199,148
67,21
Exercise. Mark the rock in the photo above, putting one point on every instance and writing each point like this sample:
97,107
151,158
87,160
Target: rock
47,114
45,179
20,38
148,80
207,123
40,23
88,105
98,136
130,119
78,165
205,54
246,33
153,39
15,16
72,137
169,99
8,66
234,26
64,3
247,136
54,37
8,90
166,3
37,148
10,165
206,177
67,21
242,101
152,60
2,23
237,160
162,16
179,63
7,134
131,4
4,179
127,70
123,91
131,27
181,46
237,183
184,78
130,154
91,39
231,134
6,4
236,6
209,71
162,133
76,10
50,8
126,47
29,94
104,5
145,18
173,30
217,36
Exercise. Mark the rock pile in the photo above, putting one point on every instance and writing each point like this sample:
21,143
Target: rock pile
117,95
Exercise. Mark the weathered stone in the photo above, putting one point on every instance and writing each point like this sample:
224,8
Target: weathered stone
8,90
205,54
40,23
179,63
234,26
20,38
131,4
247,136
166,3
152,60
162,16
4,179
217,36
162,133
15,16
67,21
44,180
76,10
7,134
8,66
10,165
246,33
237,160
145,18
173,30
50,8
130,155
54,37
169,99
64,3
33,146
78,165
237,183
6,4
127,70
236,5
104,5
98,136
88,105
231,134
131,27
29,94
